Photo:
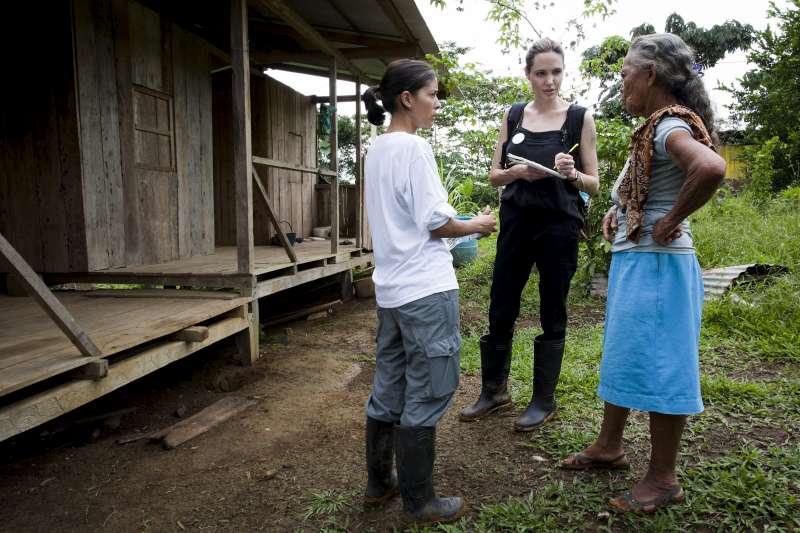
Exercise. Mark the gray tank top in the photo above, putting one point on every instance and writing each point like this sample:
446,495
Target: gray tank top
665,183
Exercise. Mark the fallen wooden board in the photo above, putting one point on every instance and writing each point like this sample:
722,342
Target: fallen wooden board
199,423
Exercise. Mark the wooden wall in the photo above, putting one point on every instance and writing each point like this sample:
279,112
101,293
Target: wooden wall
144,107
347,208
283,128
41,212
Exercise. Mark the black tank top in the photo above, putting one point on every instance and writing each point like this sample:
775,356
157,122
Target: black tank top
555,195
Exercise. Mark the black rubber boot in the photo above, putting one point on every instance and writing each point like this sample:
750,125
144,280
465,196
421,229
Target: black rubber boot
547,356
381,481
495,366
416,451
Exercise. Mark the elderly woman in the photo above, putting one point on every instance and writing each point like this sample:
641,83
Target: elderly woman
655,289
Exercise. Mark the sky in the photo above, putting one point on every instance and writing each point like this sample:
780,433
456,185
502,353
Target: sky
469,28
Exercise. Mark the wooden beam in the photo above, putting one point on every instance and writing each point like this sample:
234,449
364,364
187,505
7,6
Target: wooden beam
397,20
242,142
334,141
287,246
326,99
271,286
274,163
228,281
359,169
47,300
321,70
280,8
94,370
394,52
333,35
191,334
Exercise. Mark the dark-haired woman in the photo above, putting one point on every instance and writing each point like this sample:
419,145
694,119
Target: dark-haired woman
541,218
418,341
655,288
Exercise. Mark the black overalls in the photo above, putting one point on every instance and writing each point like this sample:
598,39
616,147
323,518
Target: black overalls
540,223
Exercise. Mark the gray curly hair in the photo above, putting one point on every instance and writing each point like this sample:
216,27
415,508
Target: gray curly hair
675,70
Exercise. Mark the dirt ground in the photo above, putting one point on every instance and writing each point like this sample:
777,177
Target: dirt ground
257,471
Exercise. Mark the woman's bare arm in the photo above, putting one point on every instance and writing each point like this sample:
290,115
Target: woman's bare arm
704,171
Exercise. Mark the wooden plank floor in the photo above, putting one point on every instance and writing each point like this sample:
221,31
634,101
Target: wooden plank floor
223,260
33,349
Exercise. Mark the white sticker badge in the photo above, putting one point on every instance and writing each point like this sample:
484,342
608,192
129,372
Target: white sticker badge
518,138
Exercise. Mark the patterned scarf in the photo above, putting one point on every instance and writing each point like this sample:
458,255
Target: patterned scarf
635,185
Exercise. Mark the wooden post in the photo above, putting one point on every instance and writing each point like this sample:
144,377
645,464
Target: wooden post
334,140
242,142
359,173
247,340
47,300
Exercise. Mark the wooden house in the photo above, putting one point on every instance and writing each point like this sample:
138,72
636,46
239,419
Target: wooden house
141,144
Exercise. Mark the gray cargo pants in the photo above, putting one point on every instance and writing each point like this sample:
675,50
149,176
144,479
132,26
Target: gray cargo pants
417,362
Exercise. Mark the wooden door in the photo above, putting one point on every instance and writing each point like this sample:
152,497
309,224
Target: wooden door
152,184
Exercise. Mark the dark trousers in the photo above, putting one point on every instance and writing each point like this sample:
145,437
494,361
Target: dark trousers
529,237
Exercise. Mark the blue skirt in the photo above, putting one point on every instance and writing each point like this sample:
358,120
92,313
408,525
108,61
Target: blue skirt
652,333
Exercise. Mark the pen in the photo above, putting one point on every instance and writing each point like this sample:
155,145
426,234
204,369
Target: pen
569,152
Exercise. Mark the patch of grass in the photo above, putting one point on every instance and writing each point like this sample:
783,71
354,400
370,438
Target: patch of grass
769,327
735,230
326,502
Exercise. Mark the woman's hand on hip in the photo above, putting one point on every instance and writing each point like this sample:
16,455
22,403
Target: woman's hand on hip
665,231
525,173
610,224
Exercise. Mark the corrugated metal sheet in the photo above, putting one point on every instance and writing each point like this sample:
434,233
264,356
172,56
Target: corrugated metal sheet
717,281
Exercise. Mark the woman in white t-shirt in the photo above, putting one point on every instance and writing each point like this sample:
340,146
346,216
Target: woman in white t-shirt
418,341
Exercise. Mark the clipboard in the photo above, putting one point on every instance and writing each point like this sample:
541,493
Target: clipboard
517,160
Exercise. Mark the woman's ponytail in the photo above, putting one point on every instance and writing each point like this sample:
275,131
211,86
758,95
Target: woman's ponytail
376,114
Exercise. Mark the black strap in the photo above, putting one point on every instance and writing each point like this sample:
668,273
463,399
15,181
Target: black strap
514,120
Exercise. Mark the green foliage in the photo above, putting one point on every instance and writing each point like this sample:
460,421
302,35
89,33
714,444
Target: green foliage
768,98
603,63
760,162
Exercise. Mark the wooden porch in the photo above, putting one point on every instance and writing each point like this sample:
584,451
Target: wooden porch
219,269
43,374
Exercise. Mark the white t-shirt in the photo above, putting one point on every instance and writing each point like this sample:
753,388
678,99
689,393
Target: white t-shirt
405,202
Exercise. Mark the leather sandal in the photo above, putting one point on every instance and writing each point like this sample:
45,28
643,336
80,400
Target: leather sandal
581,461
627,502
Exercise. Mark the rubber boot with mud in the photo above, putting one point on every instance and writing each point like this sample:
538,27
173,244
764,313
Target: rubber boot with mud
381,480
547,356
495,366
415,448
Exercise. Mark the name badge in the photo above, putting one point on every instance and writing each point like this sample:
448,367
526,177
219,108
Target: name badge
518,138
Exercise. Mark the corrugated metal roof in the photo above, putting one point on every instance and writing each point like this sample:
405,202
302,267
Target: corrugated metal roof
717,281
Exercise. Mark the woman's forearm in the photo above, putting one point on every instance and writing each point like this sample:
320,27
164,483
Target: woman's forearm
587,183
499,177
455,228
701,183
